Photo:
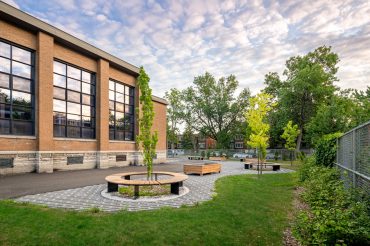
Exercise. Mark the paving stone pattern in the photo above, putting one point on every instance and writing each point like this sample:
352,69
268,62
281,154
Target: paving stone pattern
200,189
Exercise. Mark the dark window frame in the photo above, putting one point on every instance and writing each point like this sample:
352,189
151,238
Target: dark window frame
131,98
92,104
31,92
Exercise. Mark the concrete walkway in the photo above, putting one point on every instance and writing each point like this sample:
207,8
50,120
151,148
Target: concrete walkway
200,189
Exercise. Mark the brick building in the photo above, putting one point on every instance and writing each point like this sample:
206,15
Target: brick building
65,104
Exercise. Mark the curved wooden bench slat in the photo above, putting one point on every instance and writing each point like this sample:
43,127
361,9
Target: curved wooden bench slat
175,181
118,178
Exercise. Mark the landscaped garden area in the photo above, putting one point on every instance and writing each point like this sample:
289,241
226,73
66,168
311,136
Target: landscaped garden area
246,210
287,164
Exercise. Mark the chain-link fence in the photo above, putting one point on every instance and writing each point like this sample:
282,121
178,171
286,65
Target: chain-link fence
272,154
353,157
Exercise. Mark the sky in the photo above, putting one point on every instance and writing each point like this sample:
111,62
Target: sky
178,40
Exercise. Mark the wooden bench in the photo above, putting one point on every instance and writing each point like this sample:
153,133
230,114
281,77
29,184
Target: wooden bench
195,157
175,180
275,166
202,168
217,158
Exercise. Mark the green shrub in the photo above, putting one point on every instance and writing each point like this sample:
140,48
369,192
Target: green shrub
334,216
203,154
276,156
326,149
94,210
208,154
301,156
305,169
285,157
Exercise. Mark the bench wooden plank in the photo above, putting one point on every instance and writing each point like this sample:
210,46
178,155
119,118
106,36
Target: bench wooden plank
119,178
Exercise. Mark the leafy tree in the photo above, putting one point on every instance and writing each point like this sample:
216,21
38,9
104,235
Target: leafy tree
146,139
259,106
326,149
188,138
212,108
290,135
174,114
362,108
345,110
308,84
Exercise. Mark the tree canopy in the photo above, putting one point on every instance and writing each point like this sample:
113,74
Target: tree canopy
174,114
212,108
309,82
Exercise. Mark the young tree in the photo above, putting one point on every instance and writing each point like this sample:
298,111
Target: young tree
290,135
212,108
147,140
174,114
259,106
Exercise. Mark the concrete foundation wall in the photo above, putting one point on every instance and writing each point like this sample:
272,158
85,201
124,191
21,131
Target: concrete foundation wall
47,162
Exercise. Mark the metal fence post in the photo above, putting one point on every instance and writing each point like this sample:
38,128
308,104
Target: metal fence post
354,157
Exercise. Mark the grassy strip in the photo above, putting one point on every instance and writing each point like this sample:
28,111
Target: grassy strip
247,211
154,190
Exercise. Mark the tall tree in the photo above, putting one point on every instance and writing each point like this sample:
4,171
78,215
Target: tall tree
189,138
345,110
146,139
174,114
212,107
362,109
308,84
290,135
259,128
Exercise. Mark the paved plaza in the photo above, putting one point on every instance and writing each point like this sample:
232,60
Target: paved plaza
200,188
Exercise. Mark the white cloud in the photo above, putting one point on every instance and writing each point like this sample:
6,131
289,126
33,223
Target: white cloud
11,2
178,40
101,17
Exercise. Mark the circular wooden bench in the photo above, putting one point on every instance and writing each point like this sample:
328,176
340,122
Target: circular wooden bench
175,180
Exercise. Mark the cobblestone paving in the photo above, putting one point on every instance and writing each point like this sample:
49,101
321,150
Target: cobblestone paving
200,189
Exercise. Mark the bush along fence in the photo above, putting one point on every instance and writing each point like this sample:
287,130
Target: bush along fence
333,215
353,157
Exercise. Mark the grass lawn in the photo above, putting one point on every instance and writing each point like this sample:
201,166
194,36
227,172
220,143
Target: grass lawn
246,211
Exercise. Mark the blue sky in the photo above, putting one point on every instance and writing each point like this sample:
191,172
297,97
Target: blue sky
177,40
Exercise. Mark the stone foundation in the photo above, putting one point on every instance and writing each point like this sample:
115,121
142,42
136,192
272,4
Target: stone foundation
48,162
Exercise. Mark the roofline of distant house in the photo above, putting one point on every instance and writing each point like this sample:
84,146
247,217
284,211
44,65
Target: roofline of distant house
159,100
21,18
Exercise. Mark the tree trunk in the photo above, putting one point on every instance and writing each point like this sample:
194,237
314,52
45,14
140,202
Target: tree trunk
299,139
172,148
291,158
